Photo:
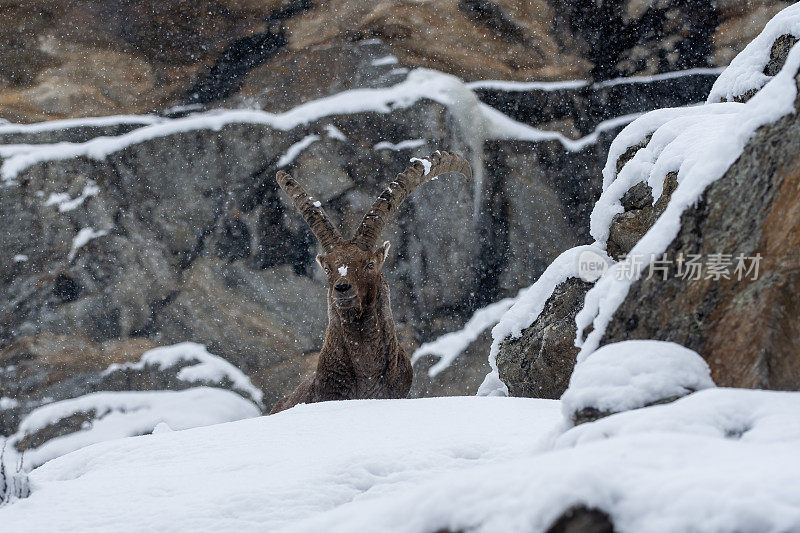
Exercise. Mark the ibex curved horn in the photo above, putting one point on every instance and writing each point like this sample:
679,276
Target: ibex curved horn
327,235
404,184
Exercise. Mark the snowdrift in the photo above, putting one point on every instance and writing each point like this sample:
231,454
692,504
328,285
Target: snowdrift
717,460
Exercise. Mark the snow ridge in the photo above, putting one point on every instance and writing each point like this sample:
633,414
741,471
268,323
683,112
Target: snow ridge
476,122
450,345
206,367
54,125
519,86
746,71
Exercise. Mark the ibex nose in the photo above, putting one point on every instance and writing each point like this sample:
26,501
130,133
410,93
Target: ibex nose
342,287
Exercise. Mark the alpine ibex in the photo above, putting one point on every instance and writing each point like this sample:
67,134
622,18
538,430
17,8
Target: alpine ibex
361,356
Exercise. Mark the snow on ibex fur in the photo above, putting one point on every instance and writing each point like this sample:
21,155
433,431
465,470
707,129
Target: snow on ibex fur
361,356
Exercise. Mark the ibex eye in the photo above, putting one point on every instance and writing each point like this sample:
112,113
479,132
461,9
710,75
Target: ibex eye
371,266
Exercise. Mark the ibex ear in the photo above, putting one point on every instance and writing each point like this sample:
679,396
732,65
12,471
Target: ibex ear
382,252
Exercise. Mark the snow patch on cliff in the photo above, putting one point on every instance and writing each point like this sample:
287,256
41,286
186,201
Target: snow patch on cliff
746,71
84,236
699,144
66,203
203,367
409,144
296,149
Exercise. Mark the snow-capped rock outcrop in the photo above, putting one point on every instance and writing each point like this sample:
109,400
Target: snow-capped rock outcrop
698,214
630,375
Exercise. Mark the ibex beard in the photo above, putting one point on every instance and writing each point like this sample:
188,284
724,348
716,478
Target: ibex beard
361,356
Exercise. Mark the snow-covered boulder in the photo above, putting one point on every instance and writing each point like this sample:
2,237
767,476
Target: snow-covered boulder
46,368
62,427
559,291
632,374
180,366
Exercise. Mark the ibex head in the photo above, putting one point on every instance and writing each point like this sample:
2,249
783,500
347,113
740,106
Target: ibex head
354,267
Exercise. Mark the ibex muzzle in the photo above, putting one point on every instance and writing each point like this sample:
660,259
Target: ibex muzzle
361,357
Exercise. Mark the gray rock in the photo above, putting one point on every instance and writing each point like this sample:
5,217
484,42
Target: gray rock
582,519
640,214
539,363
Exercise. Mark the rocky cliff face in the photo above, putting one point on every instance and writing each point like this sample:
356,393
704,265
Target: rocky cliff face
746,329
183,235
745,326
190,239
134,57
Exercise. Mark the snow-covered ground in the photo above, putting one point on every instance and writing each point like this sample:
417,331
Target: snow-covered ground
718,460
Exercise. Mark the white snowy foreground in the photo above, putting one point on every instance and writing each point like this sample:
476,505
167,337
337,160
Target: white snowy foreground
717,460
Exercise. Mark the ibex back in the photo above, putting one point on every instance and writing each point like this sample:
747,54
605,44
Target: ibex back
361,356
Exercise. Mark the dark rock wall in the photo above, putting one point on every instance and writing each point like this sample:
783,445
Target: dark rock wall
89,57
